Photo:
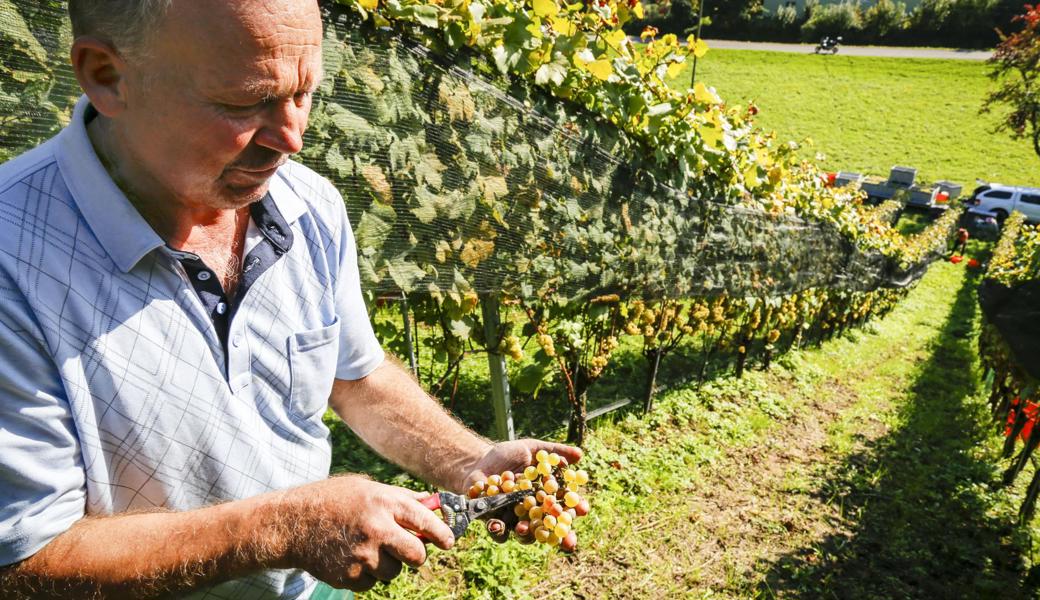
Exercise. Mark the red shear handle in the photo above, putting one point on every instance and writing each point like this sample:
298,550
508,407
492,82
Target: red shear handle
432,502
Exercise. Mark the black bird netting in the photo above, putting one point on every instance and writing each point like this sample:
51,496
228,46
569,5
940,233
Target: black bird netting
459,181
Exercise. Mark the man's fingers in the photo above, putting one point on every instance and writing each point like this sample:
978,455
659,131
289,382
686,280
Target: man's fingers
408,549
361,583
388,567
416,517
572,453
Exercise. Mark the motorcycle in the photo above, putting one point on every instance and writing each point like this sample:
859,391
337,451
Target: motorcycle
828,45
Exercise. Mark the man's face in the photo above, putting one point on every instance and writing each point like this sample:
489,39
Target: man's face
219,99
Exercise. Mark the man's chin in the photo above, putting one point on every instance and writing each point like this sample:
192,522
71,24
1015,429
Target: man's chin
239,196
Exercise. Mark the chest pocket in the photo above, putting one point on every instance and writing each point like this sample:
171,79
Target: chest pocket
312,368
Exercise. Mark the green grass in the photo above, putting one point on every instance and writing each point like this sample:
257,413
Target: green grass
867,114
863,468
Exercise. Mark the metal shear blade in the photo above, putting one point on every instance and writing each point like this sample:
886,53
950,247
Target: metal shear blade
460,511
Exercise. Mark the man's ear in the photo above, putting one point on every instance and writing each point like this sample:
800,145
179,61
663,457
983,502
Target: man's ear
101,72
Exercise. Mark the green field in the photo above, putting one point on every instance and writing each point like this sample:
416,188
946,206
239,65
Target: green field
862,468
867,114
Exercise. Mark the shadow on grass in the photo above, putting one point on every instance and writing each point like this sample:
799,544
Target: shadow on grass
925,523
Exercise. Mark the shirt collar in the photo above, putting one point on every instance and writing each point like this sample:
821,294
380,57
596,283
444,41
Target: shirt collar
120,229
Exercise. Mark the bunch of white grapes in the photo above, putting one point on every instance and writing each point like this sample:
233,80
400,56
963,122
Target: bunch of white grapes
548,515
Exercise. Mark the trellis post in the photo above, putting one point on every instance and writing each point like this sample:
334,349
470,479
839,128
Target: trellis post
497,367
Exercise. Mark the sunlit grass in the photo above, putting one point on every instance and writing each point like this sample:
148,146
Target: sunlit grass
867,114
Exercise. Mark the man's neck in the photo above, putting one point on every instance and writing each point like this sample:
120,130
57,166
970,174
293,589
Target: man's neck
180,224
217,236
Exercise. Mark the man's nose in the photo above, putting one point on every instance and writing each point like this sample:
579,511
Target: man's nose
284,124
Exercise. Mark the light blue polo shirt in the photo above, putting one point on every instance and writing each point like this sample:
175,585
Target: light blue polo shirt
116,392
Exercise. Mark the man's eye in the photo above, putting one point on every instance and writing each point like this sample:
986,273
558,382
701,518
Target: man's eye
236,109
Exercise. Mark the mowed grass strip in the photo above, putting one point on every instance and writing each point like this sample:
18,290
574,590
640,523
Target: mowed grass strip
788,483
867,114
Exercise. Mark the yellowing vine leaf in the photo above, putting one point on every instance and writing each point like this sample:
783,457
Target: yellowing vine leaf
705,95
697,46
475,252
601,68
376,180
545,8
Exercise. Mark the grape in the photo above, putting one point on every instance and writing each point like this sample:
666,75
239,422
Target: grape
569,475
522,528
508,486
572,499
508,476
581,477
496,527
531,473
520,510
524,485
540,496
565,518
544,468
552,539
582,508
495,480
535,513
542,534
556,509
561,530
550,486
541,456
474,492
549,521
492,490
554,459
570,542
530,502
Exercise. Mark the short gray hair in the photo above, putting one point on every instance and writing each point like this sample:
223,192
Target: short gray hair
124,23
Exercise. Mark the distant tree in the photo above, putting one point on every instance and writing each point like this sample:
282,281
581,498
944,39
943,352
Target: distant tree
1016,64
731,15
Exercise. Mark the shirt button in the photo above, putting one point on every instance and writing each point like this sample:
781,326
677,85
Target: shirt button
221,308
204,275
236,341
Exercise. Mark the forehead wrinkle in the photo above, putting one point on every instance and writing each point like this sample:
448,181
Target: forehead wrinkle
283,80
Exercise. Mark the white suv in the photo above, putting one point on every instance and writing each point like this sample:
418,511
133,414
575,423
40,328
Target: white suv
1000,200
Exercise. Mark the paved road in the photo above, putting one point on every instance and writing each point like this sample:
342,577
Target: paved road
886,51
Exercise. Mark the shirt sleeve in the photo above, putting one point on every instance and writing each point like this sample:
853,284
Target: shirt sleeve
42,481
359,350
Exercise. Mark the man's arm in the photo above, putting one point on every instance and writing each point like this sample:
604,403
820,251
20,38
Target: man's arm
392,414
348,531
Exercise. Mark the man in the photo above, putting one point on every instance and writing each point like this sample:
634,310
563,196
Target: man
180,305
960,244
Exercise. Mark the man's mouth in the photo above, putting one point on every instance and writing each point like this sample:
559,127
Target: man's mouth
250,175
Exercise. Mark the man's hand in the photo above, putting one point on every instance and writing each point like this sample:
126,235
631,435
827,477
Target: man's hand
513,456
351,532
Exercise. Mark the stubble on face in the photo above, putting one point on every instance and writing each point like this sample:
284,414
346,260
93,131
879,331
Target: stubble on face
196,144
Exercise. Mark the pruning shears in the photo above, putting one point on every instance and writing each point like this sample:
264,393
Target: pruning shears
458,512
